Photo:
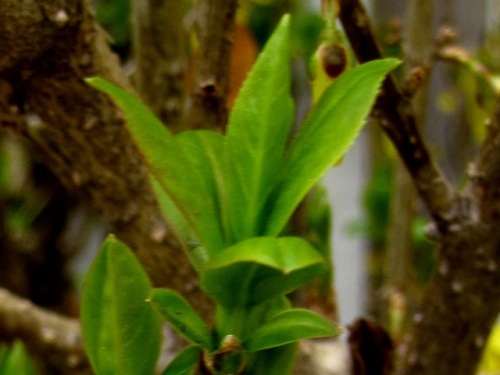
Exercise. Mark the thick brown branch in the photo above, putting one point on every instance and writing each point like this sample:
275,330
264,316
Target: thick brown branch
215,29
398,121
55,337
460,305
79,133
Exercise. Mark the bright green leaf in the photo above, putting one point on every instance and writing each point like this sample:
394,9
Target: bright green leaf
16,361
185,363
290,326
259,269
121,332
257,133
326,135
181,172
204,149
182,317
171,213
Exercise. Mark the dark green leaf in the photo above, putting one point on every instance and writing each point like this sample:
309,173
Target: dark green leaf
182,317
290,326
326,135
3,356
258,129
176,164
185,363
121,332
260,269
114,16
274,361
242,321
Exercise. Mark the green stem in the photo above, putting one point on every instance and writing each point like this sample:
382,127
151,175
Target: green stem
230,321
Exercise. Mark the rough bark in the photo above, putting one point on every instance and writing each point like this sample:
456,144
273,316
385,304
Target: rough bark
47,48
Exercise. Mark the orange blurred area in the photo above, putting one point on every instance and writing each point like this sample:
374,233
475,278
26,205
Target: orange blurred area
243,56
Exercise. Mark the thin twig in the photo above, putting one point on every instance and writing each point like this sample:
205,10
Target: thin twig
55,337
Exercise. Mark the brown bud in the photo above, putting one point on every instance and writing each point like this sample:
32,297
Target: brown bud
333,59
414,80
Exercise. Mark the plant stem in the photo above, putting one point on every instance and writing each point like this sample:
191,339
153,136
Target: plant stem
231,321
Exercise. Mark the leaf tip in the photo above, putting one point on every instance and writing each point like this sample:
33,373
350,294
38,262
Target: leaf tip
93,81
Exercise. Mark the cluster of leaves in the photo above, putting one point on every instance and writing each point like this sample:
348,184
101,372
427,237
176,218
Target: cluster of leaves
236,192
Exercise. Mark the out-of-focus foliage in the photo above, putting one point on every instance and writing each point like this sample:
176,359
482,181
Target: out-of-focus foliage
114,16
15,360
490,362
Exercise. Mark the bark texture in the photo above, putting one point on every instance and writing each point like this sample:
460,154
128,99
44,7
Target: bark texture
214,25
160,56
47,48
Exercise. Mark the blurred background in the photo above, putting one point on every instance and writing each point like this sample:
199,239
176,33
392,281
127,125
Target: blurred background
382,258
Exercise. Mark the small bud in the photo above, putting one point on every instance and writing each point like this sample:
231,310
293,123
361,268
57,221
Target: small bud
333,59
414,81
229,344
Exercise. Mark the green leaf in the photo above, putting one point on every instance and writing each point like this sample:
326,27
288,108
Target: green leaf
195,251
242,321
274,361
290,326
204,150
257,133
259,269
182,317
185,363
170,212
3,356
16,360
177,164
121,333
325,136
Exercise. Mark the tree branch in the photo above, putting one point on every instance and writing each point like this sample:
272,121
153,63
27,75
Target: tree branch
460,305
397,119
55,337
160,55
214,24
464,296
